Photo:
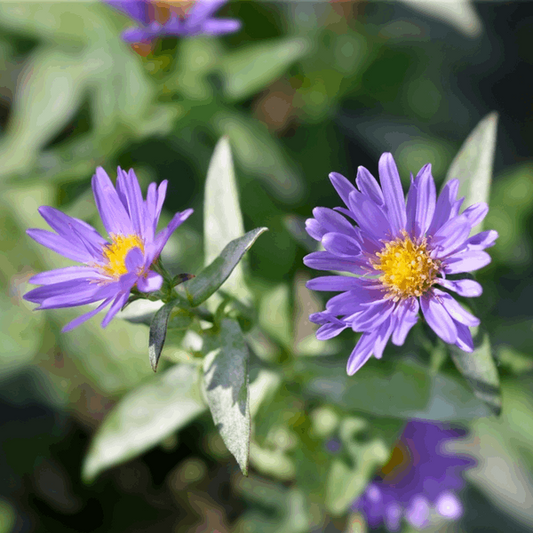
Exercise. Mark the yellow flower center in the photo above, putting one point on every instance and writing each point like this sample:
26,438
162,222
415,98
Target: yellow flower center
116,252
163,10
408,270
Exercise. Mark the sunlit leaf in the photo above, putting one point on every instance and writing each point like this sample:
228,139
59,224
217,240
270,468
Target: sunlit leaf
145,417
481,372
472,166
222,213
226,385
200,288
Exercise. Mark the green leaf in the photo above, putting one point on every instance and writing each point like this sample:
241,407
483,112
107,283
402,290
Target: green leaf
479,369
345,484
472,166
404,390
222,213
226,384
249,69
200,288
145,417
158,332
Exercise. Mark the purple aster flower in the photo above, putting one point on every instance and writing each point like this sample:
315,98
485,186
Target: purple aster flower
396,255
419,483
110,270
173,18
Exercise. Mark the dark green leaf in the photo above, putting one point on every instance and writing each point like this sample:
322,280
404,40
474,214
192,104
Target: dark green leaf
200,288
226,383
145,417
480,371
472,166
158,332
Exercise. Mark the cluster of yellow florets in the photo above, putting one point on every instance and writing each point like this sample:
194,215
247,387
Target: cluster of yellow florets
116,252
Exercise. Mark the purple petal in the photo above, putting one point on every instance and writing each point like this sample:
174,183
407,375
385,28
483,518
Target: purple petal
113,214
361,353
392,515
150,283
328,331
130,191
382,337
315,230
327,261
369,186
369,216
464,338
64,274
203,10
392,192
463,287
331,221
138,34
455,310
136,9
425,201
220,26
444,205
333,283
342,186
476,213
86,316
438,318
66,294
161,194
134,260
406,318
163,236
466,262
341,245
116,306
370,316
451,236
482,240
60,245
417,514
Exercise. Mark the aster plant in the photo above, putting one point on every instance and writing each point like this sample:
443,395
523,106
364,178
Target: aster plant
173,18
399,255
420,483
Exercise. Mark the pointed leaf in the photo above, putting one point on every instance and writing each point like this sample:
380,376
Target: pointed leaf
481,372
222,213
249,69
200,288
226,384
158,332
145,417
472,166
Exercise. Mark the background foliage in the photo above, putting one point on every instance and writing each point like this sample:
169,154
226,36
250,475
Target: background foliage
304,89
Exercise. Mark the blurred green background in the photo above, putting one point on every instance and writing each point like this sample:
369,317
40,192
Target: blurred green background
303,89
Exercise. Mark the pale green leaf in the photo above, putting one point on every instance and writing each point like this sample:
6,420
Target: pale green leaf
472,166
226,385
145,417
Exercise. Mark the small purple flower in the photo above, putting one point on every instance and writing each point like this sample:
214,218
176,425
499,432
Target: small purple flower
173,18
110,270
419,483
395,257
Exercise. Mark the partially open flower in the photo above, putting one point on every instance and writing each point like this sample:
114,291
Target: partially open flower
396,256
420,482
110,269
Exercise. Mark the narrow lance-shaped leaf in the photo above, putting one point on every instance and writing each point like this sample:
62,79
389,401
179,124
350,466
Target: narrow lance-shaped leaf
226,384
222,213
472,166
158,333
481,373
144,417
214,275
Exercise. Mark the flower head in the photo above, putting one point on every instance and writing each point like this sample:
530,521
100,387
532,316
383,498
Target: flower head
173,18
419,483
396,255
110,269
